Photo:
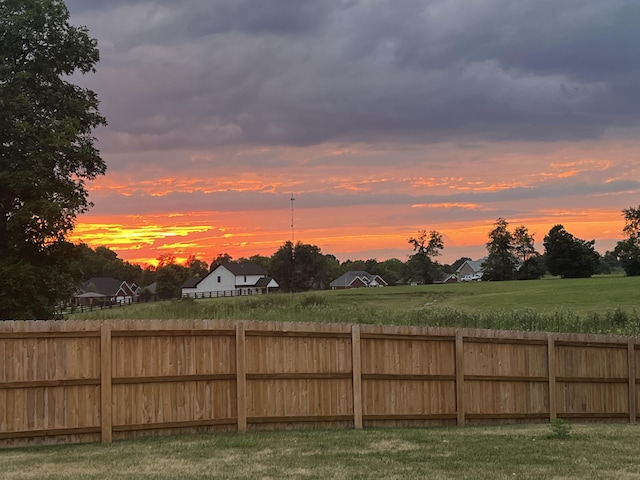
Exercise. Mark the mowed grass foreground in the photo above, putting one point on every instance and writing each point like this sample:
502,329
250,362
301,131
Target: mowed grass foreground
519,451
603,304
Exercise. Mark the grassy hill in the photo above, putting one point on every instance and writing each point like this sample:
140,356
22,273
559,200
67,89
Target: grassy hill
603,304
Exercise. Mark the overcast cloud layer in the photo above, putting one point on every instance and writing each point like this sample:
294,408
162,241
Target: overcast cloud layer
302,72
319,94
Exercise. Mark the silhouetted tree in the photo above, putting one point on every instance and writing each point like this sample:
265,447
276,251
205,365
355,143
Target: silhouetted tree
169,280
47,152
196,268
426,247
220,259
394,271
501,261
628,251
300,268
568,256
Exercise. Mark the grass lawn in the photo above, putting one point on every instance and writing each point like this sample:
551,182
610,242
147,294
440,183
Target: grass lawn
520,451
602,304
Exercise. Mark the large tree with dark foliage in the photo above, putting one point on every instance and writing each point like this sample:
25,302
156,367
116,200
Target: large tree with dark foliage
501,261
421,264
302,267
47,152
568,256
170,278
628,251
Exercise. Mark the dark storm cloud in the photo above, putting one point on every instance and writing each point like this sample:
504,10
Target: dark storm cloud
199,73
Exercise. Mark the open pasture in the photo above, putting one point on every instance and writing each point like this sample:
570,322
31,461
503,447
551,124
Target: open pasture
602,304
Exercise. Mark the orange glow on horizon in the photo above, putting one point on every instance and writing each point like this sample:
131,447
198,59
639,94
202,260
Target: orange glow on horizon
143,239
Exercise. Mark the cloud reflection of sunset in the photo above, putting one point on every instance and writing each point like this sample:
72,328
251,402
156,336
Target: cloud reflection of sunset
359,211
350,232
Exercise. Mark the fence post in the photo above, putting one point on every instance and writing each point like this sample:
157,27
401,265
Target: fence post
460,378
631,362
551,371
241,378
106,397
356,367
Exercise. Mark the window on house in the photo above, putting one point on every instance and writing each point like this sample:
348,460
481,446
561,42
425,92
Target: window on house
219,279
245,279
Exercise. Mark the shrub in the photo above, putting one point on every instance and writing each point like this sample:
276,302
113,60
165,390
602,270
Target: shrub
560,429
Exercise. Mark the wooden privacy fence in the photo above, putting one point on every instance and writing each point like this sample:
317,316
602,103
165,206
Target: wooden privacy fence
92,381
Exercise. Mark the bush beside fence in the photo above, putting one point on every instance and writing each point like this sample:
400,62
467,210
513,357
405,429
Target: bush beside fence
99,381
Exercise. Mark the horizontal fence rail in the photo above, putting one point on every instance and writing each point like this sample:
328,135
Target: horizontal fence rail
238,292
100,381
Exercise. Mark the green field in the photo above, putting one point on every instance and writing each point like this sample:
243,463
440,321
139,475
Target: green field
602,304
518,451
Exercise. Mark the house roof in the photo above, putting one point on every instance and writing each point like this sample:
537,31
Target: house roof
90,295
476,265
348,278
244,268
445,277
458,263
106,286
264,282
192,282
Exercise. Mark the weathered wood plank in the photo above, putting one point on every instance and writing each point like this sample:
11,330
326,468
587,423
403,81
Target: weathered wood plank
241,378
356,362
460,404
106,394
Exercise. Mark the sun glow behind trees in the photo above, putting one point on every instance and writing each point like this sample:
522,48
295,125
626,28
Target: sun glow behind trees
141,239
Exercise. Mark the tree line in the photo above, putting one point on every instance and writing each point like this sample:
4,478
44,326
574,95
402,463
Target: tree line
511,255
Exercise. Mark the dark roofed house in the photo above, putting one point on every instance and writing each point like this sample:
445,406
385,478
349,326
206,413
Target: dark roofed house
357,279
446,278
105,291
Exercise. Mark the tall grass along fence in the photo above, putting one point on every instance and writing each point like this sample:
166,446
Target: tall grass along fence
99,381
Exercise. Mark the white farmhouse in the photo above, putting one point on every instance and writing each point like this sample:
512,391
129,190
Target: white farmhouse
230,279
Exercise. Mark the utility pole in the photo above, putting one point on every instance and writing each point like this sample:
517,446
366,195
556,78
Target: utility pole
292,231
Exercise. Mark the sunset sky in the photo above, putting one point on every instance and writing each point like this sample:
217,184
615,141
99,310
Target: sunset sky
381,117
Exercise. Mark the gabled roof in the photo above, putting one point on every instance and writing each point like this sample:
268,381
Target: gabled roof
446,277
264,282
244,268
192,282
107,286
458,263
90,295
348,278
126,288
476,265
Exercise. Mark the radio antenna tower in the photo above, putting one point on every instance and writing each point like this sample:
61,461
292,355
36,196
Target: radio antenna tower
292,231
